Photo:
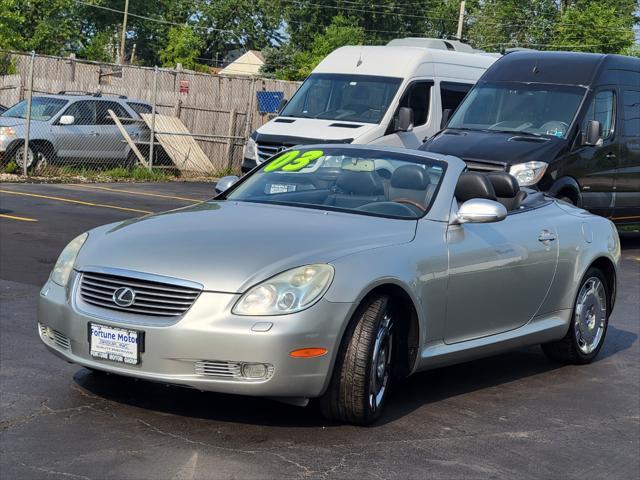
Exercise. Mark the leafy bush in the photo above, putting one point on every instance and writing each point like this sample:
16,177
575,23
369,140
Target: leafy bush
11,167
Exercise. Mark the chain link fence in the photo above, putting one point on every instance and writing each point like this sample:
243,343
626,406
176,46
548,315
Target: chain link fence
66,116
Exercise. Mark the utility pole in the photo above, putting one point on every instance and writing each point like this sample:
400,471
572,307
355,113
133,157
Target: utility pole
460,20
124,31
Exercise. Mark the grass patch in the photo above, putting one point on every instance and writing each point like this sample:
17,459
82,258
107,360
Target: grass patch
634,227
139,173
11,167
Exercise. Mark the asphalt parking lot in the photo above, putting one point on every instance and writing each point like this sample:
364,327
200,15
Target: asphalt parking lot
516,415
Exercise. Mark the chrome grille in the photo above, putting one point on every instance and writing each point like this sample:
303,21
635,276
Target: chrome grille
268,150
484,166
210,368
59,339
151,297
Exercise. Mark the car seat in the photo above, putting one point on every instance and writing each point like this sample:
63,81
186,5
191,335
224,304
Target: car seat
474,185
411,182
357,184
507,190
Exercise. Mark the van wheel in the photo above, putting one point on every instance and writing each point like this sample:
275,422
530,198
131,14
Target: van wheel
362,375
588,325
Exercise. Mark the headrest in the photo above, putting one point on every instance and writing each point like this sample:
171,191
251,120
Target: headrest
505,185
359,183
474,185
412,177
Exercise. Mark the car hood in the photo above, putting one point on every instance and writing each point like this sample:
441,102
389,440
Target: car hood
11,121
229,246
504,148
315,129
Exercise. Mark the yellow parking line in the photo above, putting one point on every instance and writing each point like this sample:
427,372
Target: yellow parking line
14,217
131,192
79,202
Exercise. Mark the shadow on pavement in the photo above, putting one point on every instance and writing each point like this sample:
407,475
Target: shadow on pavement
409,395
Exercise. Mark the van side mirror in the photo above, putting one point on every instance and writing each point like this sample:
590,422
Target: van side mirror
67,120
404,119
592,134
481,210
225,183
446,115
282,104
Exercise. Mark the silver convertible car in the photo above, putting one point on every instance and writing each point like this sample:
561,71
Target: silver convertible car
372,264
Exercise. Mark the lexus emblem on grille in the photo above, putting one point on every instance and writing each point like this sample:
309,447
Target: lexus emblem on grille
124,297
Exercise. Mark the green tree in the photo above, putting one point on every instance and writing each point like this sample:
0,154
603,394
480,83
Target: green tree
513,23
10,24
183,46
340,32
100,47
595,27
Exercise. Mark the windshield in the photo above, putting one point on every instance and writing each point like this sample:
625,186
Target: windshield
353,98
42,108
536,109
364,181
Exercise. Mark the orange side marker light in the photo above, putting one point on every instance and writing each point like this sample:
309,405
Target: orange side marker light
308,352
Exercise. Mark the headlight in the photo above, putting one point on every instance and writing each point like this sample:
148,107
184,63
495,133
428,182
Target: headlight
62,270
251,150
7,132
287,292
528,173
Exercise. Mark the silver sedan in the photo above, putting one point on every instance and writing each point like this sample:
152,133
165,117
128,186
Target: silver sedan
328,272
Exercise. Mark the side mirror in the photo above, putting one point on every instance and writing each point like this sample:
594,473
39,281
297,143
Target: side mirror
446,115
592,135
404,119
282,104
225,183
67,120
481,210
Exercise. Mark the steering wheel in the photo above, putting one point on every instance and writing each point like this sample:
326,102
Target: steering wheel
413,203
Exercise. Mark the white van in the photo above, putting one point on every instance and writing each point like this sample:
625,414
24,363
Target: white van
392,95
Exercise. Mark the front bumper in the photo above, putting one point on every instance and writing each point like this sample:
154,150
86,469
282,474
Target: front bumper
207,332
248,164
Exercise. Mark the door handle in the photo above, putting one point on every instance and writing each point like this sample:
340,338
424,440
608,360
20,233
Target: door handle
610,155
94,134
546,236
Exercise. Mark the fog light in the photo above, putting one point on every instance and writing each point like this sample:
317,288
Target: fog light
255,370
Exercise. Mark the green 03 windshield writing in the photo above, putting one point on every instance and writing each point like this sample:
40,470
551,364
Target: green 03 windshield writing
293,161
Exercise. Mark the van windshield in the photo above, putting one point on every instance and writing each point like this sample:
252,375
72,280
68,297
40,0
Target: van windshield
535,109
352,98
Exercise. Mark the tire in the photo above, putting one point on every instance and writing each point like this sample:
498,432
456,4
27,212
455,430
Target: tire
364,367
567,199
589,323
39,157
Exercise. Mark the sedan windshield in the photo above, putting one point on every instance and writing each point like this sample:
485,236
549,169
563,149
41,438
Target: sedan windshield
353,98
42,108
364,181
536,109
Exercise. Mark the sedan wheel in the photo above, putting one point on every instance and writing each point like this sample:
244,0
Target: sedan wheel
589,323
364,368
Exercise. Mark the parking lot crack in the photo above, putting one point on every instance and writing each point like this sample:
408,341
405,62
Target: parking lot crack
55,472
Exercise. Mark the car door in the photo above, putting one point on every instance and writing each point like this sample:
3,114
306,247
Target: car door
77,141
627,177
111,142
499,273
417,96
595,171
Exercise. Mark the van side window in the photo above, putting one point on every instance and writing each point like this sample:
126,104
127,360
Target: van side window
417,98
451,94
631,113
84,112
601,109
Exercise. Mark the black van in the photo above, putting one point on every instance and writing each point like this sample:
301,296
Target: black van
568,123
